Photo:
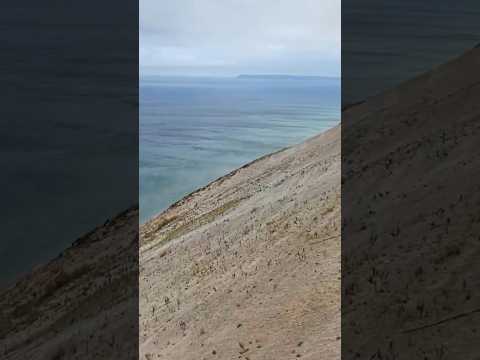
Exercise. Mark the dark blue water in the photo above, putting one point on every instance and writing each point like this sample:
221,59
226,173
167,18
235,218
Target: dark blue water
193,130
387,42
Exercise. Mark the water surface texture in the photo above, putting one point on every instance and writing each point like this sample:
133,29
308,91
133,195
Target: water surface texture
194,130
387,42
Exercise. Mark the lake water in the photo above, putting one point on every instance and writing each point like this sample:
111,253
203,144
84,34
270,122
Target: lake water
387,42
194,130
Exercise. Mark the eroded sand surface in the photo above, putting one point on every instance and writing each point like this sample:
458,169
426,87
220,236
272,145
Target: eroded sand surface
81,305
248,267
411,220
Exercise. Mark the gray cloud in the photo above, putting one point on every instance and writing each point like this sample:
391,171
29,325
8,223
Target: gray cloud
233,36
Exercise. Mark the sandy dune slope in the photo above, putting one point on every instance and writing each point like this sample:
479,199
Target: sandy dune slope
249,266
81,305
411,218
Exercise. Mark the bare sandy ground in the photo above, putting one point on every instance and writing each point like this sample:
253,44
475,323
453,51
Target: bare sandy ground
248,267
245,268
411,218
81,305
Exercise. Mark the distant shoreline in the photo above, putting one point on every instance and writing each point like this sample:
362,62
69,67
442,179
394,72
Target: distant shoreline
146,77
285,77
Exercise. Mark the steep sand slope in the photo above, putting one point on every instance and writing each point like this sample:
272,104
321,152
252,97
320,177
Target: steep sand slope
81,305
249,266
411,224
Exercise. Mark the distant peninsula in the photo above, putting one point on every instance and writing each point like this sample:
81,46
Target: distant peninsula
284,77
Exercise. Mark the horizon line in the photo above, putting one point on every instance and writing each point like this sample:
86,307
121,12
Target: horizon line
239,75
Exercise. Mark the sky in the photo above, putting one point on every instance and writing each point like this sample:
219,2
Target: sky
231,37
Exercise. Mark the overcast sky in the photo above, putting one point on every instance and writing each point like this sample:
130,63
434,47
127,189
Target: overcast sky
229,37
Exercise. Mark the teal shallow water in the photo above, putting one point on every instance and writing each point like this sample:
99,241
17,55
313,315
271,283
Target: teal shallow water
194,130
